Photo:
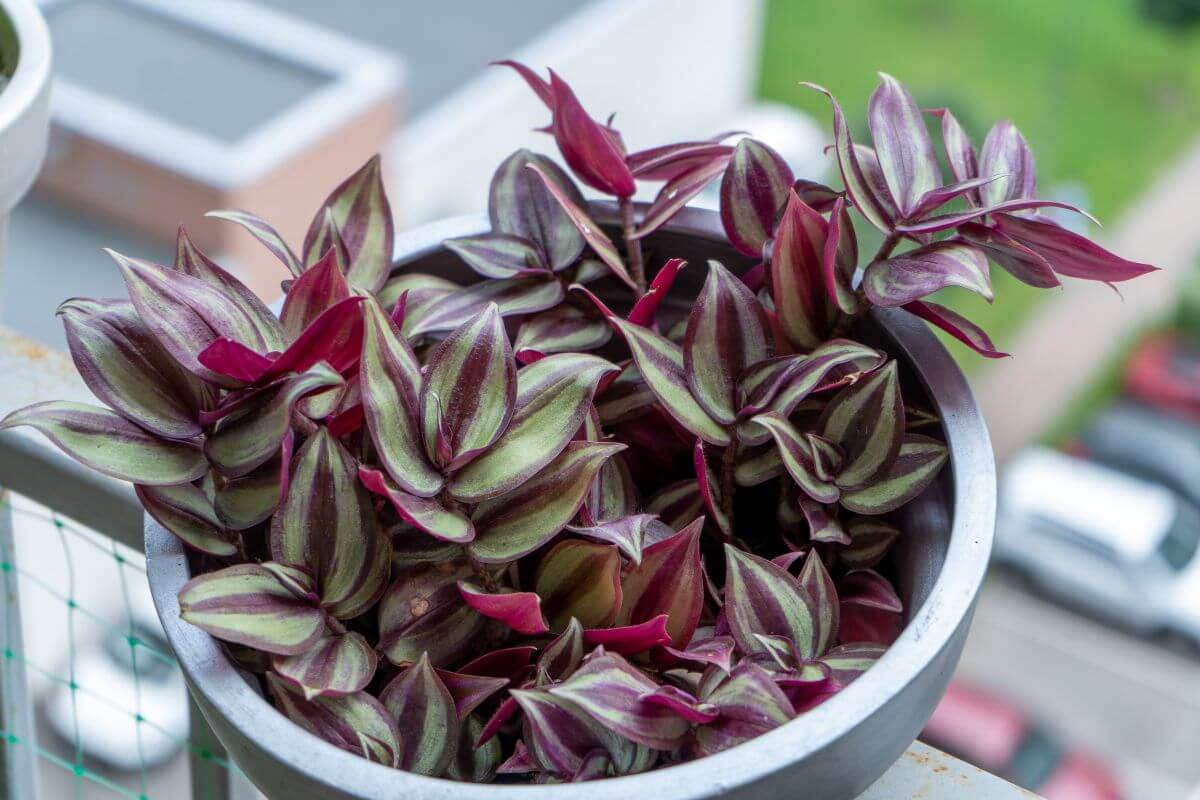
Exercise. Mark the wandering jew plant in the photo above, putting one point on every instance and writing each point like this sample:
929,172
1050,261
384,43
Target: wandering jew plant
467,531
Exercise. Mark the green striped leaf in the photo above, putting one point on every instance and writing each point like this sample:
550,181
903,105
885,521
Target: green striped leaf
512,296
626,398
763,598
190,261
866,420
917,273
261,230
470,763
798,457
423,612
425,514
424,713
580,580
749,704
498,255
355,722
918,462
613,495
797,275
186,511
816,581
248,500
823,524
902,144
469,390
661,365
848,661
867,193
364,219
553,397
520,522
753,190
870,541
420,291
759,464
669,580
834,363
562,737
390,380
587,227
676,504
839,261
629,533
520,204
726,334
122,363
108,443
334,665
1006,154
253,433
320,288
249,604
327,525
563,329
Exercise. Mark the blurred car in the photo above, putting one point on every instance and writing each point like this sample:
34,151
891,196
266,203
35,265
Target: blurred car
1164,369
1114,544
995,735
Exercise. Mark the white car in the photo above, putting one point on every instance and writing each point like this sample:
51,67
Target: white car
1111,543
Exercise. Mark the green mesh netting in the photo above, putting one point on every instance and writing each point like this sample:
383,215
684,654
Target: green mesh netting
99,608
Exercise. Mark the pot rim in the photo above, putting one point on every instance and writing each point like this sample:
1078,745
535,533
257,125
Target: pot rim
930,630
25,92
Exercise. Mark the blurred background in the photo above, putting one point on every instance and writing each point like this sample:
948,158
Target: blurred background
1082,675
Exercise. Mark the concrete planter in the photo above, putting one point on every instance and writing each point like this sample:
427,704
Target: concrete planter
24,102
830,753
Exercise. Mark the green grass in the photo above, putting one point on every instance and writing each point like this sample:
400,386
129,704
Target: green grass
1105,98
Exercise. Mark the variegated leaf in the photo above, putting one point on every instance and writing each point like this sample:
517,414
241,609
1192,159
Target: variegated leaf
726,334
593,151
186,511
499,255
364,219
816,581
469,691
581,581
552,397
866,420
960,153
759,464
328,525
676,504
521,611
753,190
518,523
419,288
424,713
711,491
249,604
561,735
470,763
917,463
823,524
902,144
470,387
1018,260
628,397
661,365
667,581
918,273
796,452
613,495
110,444
957,326
839,259
848,661
762,598
261,230
356,722
511,296
520,205
426,514
870,541
335,665
631,534
871,611
677,193
563,329
1069,253
748,704
560,658
716,651
390,378
246,501
423,612
797,275
781,384
1006,154
321,287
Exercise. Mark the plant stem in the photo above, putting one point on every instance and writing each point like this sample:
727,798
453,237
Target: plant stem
846,321
633,247
889,244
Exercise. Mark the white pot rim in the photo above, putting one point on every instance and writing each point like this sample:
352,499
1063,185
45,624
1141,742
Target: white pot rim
33,60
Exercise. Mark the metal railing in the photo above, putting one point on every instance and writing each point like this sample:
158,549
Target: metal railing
95,512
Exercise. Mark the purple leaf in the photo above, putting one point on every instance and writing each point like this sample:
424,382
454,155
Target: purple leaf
234,360
947,221
630,533
540,87
917,463
110,444
781,384
753,190
1022,263
726,334
918,273
610,690
468,690
1005,153
798,456
188,512
562,329
360,208
423,612
823,525
512,296
797,275
956,325
677,193
749,704
818,196
672,160
936,198
871,611
710,490
839,259
866,419
682,704
424,712
561,735
667,581
960,153
631,639
562,657
587,147
716,651
334,337
519,204
870,541
261,230
613,496
358,722
762,598
499,255
646,307
321,287
902,144
1069,253
334,665
581,581
249,604
521,611
425,514
816,581
848,661
676,504
251,499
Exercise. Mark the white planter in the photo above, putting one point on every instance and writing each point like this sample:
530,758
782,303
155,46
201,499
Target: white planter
24,103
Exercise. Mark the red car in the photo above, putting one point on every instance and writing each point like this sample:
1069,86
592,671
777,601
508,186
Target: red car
1164,370
995,735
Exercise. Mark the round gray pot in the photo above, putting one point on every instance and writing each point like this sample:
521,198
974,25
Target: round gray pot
24,102
830,753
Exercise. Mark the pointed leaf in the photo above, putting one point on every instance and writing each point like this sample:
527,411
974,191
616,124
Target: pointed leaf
327,524
108,443
520,205
471,383
470,763
749,704
1069,253
710,491
956,325
1006,153
469,691
667,581
364,219
357,722
960,153
390,377
613,495
511,296
672,160
762,598
646,307
334,665
870,541
563,329
586,146
676,504
250,499
797,278
423,612
334,337
726,333
630,533
518,523
753,190
561,735
499,255
716,651
871,611
261,230
839,259
521,611
424,713
321,287
921,272
916,465
798,458
188,512
248,604
630,639
661,364
823,524
677,193
1022,263
815,580
902,144
866,420
234,360
847,661
580,580
552,398
946,221
425,514
781,384
562,657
